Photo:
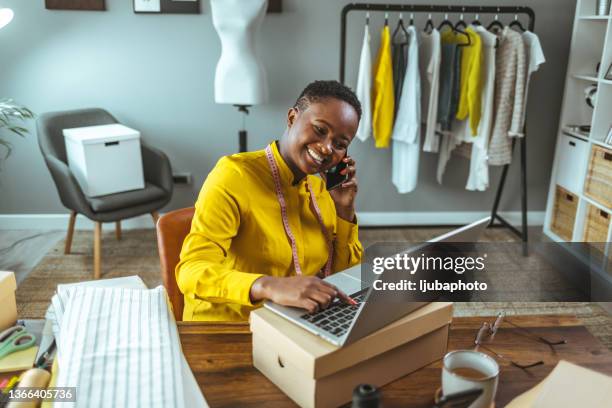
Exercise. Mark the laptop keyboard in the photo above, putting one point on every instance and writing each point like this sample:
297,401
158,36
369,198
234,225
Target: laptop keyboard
337,318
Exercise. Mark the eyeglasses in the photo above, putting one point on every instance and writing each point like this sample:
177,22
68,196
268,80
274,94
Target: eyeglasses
489,330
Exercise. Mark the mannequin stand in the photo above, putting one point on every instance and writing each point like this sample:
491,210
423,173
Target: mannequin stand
242,134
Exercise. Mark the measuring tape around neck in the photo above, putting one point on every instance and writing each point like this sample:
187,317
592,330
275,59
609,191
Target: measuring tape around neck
285,217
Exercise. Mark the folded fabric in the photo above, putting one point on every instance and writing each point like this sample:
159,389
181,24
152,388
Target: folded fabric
119,347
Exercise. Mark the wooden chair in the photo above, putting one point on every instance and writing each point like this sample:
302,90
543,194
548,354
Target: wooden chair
172,228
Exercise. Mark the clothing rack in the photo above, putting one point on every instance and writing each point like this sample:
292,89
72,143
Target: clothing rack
421,8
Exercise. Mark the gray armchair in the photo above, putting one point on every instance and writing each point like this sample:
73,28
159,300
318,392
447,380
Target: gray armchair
109,208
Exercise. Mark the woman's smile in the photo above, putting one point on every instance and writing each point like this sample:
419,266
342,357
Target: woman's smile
318,159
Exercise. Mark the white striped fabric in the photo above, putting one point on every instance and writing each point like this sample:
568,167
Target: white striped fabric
119,347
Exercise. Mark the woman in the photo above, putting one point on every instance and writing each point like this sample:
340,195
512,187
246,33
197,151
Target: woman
239,252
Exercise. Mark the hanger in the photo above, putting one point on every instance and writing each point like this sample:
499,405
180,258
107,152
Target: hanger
467,36
516,24
387,16
403,32
461,23
429,26
411,19
477,19
448,23
495,23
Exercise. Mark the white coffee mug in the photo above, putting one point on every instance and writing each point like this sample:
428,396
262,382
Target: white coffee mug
453,382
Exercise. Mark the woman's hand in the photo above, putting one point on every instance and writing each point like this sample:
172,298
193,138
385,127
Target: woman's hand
306,292
344,195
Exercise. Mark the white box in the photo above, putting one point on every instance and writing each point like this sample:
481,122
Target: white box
105,159
571,163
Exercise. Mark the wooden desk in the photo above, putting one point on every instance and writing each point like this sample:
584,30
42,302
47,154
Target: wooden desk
220,357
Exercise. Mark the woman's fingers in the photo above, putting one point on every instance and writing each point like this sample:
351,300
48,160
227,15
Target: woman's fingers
327,288
350,171
340,294
350,183
323,299
310,305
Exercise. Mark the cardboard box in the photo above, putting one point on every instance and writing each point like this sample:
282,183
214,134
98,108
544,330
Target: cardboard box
315,373
8,311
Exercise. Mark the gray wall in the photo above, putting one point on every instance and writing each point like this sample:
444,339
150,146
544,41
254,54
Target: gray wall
155,73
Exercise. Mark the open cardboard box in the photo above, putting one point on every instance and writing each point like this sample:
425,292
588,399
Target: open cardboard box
315,373
8,311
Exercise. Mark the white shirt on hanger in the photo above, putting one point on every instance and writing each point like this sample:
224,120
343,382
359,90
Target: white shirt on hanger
429,57
364,87
407,129
535,58
478,178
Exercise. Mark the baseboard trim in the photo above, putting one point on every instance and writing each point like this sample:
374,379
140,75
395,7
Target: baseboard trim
60,222
366,219
390,219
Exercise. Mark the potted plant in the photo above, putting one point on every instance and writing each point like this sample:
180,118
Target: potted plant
11,116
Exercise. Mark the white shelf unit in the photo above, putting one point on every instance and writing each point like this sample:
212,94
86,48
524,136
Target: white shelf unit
591,44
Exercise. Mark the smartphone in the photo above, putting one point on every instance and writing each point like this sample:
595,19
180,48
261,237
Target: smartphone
333,176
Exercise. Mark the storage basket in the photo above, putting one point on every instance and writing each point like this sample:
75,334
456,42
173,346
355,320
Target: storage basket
564,213
598,184
596,225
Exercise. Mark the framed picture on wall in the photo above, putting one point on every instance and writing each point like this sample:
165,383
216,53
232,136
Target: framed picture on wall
147,6
75,5
167,6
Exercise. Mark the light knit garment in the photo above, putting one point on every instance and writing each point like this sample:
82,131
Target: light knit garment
382,92
429,59
510,74
364,88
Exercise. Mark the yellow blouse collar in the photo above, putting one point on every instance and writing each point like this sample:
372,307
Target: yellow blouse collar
286,174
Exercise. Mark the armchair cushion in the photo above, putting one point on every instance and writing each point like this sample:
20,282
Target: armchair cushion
126,199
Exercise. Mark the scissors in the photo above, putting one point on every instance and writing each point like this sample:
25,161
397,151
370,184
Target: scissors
15,339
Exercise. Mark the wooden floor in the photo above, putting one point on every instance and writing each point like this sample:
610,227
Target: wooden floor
22,250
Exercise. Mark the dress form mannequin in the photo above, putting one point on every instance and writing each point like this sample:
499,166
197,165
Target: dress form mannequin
240,79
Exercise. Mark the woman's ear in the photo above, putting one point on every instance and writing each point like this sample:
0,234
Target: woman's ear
291,116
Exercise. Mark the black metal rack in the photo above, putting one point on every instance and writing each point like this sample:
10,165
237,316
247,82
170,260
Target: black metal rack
421,8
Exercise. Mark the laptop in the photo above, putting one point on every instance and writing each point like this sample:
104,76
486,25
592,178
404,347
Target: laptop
342,324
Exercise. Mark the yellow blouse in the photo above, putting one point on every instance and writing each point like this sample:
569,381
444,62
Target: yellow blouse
383,100
237,235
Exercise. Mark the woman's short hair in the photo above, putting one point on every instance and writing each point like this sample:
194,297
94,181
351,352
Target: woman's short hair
319,90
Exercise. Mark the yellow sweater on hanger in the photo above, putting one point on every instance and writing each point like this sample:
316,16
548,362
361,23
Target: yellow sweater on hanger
470,93
383,99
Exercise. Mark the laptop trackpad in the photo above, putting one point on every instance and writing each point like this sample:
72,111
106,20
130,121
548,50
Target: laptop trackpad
347,282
